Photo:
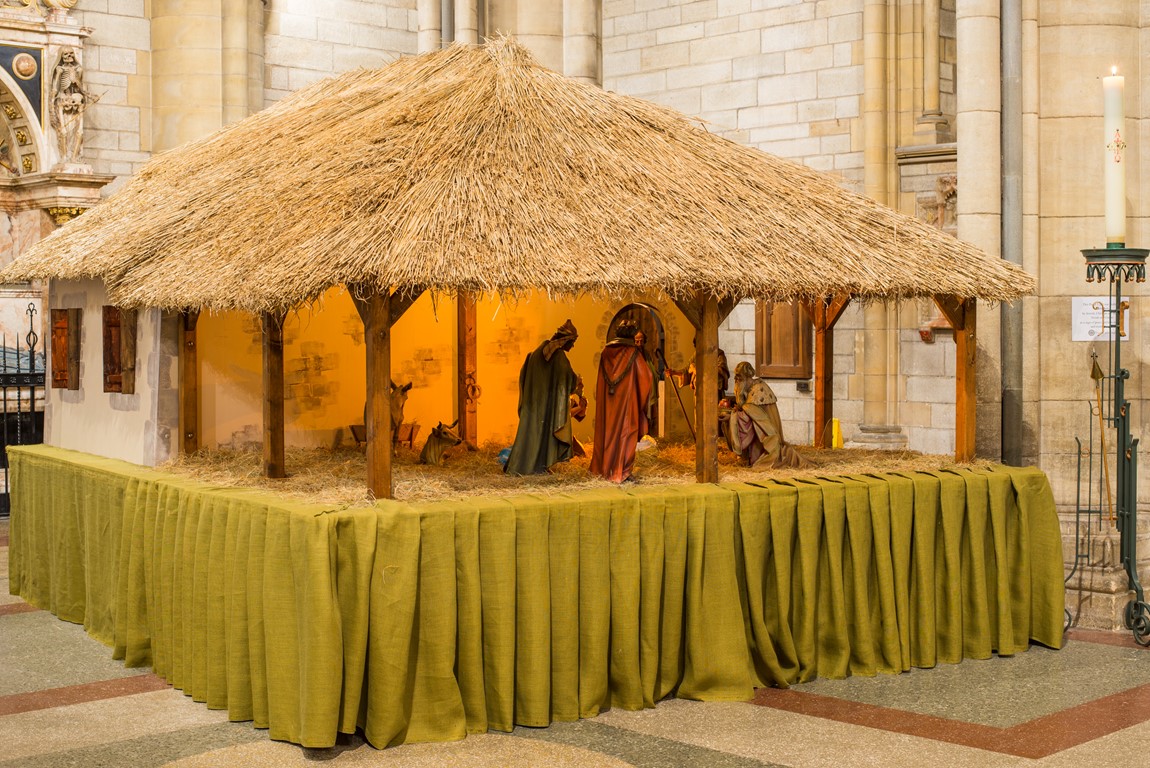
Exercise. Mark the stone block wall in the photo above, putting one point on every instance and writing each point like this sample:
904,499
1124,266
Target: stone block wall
783,77
926,408
308,41
303,42
117,68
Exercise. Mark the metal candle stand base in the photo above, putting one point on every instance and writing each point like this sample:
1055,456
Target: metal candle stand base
1118,266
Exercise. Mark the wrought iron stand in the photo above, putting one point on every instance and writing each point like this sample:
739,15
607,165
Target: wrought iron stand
1118,266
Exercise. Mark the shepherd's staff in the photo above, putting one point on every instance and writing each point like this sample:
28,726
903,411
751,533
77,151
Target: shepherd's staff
679,397
1097,375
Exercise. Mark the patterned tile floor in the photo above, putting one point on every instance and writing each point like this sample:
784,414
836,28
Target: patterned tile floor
65,702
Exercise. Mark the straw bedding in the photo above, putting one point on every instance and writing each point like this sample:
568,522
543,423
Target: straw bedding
340,476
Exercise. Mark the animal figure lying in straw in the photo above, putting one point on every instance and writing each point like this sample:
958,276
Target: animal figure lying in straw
442,437
401,432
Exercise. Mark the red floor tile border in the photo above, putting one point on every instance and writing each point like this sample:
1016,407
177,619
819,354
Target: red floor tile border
1035,739
1123,639
79,694
882,718
20,607
4,541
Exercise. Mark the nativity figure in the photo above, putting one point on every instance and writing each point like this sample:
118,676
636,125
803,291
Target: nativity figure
755,430
546,382
623,388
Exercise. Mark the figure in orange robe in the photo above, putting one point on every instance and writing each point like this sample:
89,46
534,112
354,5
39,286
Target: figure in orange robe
624,385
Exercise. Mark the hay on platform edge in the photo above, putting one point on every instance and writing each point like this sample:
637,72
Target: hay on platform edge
476,169
338,477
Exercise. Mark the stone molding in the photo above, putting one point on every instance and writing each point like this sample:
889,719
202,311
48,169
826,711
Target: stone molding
53,190
927,153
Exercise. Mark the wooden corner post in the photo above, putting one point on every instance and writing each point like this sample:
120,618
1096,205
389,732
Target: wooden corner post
824,314
962,316
273,348
467,388
706,392
377,331
189,383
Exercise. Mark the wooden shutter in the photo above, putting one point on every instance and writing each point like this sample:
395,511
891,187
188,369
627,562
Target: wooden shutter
112,367
66,326
60,348
128,322
782,340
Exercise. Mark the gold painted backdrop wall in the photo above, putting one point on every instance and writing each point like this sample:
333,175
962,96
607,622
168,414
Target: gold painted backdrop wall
324,365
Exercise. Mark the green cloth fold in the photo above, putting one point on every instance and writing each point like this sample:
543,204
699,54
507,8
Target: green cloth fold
423,622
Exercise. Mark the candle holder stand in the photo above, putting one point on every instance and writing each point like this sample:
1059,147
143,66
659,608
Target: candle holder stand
1117,266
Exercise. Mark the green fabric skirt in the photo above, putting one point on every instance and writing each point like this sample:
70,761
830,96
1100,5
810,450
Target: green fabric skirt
421,622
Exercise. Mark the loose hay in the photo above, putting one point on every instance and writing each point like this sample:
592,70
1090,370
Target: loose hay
339,477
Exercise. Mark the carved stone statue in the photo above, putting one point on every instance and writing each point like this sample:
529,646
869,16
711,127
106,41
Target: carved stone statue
69,100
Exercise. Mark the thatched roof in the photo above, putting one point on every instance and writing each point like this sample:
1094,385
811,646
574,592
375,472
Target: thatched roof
475,168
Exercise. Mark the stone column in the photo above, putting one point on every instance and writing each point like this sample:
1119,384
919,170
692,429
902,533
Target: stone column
539,26
430,35
931,121
187,70
467,21
581,40
242,57
979,208
880,336
1030,229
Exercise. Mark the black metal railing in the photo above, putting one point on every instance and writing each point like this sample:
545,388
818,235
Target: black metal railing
22,395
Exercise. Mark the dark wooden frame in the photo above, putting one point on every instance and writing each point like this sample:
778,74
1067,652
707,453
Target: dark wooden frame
189,382
773,322
119,337
67,329
824,314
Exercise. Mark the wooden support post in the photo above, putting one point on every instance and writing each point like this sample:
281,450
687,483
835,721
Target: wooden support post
966,400
693,313
962,316
377,331
399,304
824,314
273,344
189,385
466,385
706,389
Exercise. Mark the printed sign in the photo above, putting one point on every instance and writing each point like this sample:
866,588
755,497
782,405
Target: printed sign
1092,319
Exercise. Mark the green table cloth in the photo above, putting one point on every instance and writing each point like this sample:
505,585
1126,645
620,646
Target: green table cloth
428,621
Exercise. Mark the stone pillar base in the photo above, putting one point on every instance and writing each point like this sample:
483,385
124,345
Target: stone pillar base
882,437
1098,590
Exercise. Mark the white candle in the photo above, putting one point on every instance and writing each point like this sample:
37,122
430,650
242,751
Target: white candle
1113,118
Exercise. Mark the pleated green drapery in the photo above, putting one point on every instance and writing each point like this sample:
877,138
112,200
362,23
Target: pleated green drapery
430,621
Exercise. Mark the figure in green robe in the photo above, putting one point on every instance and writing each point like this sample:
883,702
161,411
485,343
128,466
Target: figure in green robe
546,382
